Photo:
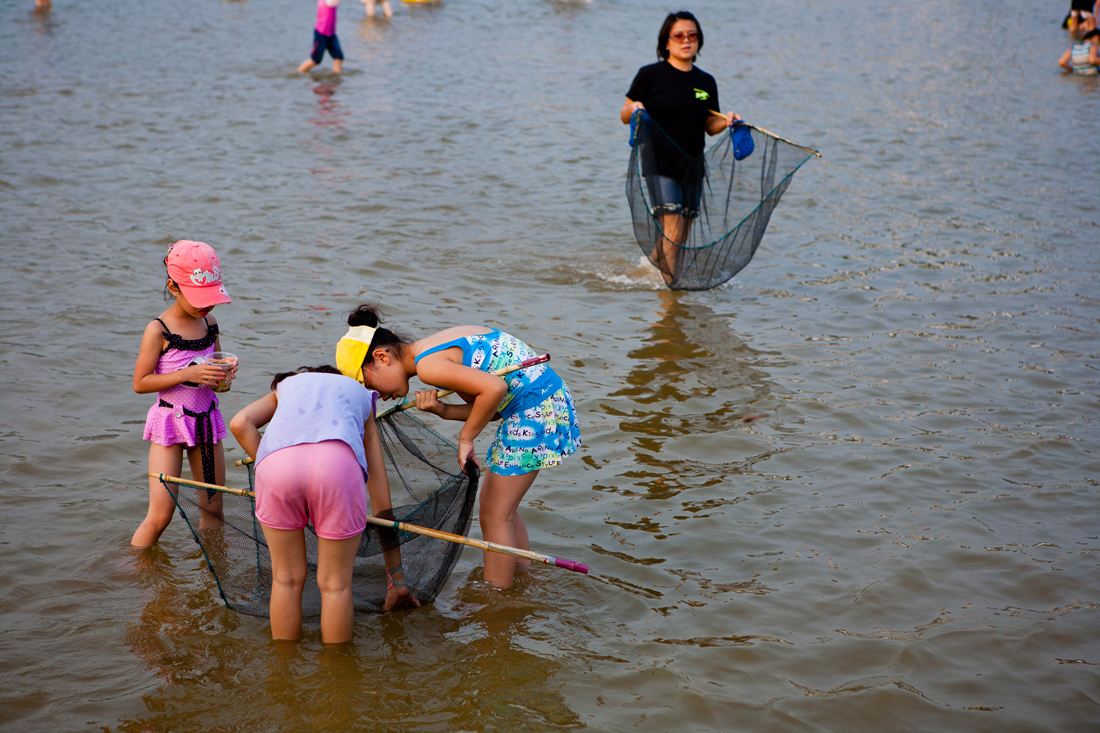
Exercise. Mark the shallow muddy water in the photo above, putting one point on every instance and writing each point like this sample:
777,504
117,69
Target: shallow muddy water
907,541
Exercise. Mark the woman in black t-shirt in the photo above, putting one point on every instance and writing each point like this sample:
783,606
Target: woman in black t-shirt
679,97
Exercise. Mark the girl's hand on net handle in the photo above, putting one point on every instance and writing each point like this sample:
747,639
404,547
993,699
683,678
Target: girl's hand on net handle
427,401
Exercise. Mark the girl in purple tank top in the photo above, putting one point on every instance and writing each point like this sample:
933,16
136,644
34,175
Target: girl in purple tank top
316,464
172,363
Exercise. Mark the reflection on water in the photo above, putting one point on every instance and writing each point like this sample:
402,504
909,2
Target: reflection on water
188,642
691,378
328,108
474,666
691,352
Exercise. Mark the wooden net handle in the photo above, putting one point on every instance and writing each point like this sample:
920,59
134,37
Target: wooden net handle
499,372
770,134
557,562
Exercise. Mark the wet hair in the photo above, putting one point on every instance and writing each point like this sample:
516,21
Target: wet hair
323,369
368,315
666,30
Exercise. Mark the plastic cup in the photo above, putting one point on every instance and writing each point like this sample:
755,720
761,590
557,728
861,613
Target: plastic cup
224,361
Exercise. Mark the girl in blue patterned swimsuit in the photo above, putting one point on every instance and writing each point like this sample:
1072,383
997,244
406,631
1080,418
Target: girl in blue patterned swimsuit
538,420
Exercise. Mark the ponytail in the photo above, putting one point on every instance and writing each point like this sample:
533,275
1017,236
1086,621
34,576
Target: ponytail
368,315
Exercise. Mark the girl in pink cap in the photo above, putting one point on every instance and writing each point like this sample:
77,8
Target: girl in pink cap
186,414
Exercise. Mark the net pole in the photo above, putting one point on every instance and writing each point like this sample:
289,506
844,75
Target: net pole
482,545
770,134
785,140
403,527
499,372
165,478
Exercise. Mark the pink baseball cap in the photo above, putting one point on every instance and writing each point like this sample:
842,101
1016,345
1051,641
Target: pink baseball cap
195,267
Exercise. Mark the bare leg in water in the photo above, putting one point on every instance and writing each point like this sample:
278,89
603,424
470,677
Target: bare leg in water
335,562
675,230
501,523
386,9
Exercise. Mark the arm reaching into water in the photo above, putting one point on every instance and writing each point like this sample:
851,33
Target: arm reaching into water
378,487
486,390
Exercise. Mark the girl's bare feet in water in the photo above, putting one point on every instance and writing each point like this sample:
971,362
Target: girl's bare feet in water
386,9
337,66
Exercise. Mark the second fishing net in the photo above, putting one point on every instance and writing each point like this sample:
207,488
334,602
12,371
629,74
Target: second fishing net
724,199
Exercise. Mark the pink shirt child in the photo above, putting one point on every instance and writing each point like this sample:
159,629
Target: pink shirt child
326,17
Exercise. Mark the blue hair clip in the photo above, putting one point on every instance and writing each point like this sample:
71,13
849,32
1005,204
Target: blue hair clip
741,137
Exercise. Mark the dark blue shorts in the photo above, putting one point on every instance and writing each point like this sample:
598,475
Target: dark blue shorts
322,43
667,197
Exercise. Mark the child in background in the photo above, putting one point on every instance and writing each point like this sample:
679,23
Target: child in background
539,421
311,466
385,8
185,416
324,38
1083,56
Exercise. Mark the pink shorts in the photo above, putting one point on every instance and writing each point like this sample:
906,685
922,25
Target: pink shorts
318,482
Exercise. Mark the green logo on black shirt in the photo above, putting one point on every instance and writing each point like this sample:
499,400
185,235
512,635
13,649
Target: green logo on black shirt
700,94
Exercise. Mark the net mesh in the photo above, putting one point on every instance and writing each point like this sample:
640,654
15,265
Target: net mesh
426,489
729,201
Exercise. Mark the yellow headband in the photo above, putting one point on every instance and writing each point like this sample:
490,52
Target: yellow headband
352,350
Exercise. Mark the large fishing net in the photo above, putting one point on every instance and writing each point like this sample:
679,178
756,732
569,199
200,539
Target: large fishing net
726,199
426,487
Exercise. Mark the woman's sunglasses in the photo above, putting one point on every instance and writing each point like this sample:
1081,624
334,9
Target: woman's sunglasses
689,36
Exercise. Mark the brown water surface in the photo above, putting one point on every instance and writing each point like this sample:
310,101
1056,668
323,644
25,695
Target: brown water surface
907,541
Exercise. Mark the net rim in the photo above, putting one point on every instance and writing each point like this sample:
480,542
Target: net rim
649,209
